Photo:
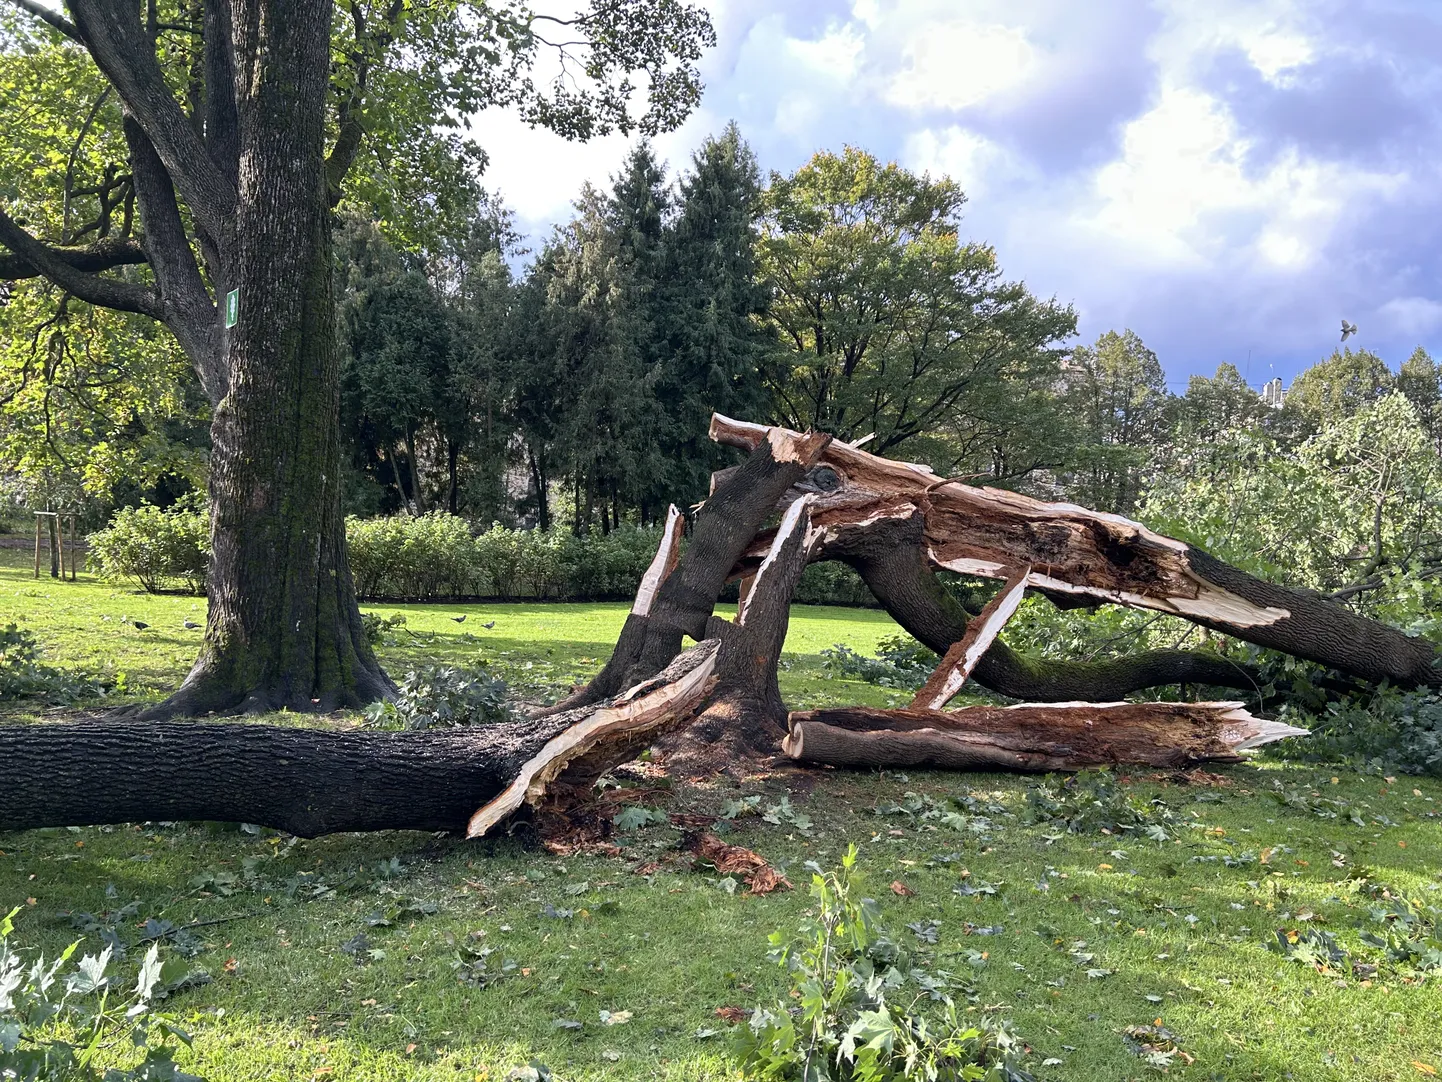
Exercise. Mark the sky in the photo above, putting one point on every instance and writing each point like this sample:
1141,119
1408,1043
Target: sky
1228,178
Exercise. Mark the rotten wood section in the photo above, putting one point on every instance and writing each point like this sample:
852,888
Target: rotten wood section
1032,738
606,735
943,684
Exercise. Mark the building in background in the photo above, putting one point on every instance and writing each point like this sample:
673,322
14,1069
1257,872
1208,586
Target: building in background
1273,393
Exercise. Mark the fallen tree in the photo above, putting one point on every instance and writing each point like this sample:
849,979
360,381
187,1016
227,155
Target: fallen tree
1031,737
718,703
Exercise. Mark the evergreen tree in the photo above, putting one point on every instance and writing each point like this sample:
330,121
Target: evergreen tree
1421,381
710,305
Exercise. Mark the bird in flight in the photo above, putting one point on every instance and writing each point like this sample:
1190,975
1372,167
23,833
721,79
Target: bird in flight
1348,329
461,619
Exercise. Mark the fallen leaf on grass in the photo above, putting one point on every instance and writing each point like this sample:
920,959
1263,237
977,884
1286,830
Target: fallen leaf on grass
615,1018
731,1015
1424,1068
901,890
651,867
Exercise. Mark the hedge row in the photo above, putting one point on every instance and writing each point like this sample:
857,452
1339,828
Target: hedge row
433,557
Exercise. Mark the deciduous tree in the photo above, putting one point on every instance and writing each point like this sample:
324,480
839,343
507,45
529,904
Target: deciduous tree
242,121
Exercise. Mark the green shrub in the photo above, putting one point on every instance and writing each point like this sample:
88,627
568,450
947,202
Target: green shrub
833,583
498,560
436,555
24,676
162,550
900,662
439,697
864,1008
54,1027
423,557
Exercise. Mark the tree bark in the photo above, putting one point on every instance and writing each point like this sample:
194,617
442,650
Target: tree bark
745,718
684,601
1031,738
283,627
315,781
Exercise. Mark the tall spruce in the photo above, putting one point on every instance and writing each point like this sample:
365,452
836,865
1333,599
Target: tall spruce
709,304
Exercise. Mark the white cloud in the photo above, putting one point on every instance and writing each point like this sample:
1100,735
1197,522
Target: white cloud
1185,190
972,160
1412,315
954,64
1269,32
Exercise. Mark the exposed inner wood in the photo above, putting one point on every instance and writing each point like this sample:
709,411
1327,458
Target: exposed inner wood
629,721
668,554
1031,737
966,652
984,531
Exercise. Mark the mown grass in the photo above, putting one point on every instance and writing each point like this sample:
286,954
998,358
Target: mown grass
540,649
1185,921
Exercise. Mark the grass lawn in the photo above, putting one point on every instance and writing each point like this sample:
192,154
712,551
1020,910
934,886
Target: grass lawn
1084,934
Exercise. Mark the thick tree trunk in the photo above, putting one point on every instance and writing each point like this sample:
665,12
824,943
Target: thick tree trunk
745,718
283,627
313,781
1031,737
683,602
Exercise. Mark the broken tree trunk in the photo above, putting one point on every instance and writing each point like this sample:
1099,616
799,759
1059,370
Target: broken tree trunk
317,781
744,716
1031,737
1071,550
601,738
683,598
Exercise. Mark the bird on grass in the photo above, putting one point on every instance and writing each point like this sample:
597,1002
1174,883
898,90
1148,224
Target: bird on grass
461,619
1348,329
139,625
489,626
190,625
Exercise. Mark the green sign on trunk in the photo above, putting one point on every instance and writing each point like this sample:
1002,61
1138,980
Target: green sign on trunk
232,307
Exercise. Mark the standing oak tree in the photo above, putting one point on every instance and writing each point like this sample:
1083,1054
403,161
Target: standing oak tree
245,122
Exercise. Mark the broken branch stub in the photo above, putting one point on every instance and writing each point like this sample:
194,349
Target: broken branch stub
943,684
1033,738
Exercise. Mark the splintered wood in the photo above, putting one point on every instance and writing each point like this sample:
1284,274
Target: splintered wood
987,532
1031,737
981,632
668,555
608,734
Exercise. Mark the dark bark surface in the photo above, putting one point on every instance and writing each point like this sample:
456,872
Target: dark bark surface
305,781
283,628
745,717
683,605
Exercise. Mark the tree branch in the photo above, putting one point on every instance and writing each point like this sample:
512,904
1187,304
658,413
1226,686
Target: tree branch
125,54
91,259
51,17
91,288
189,312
